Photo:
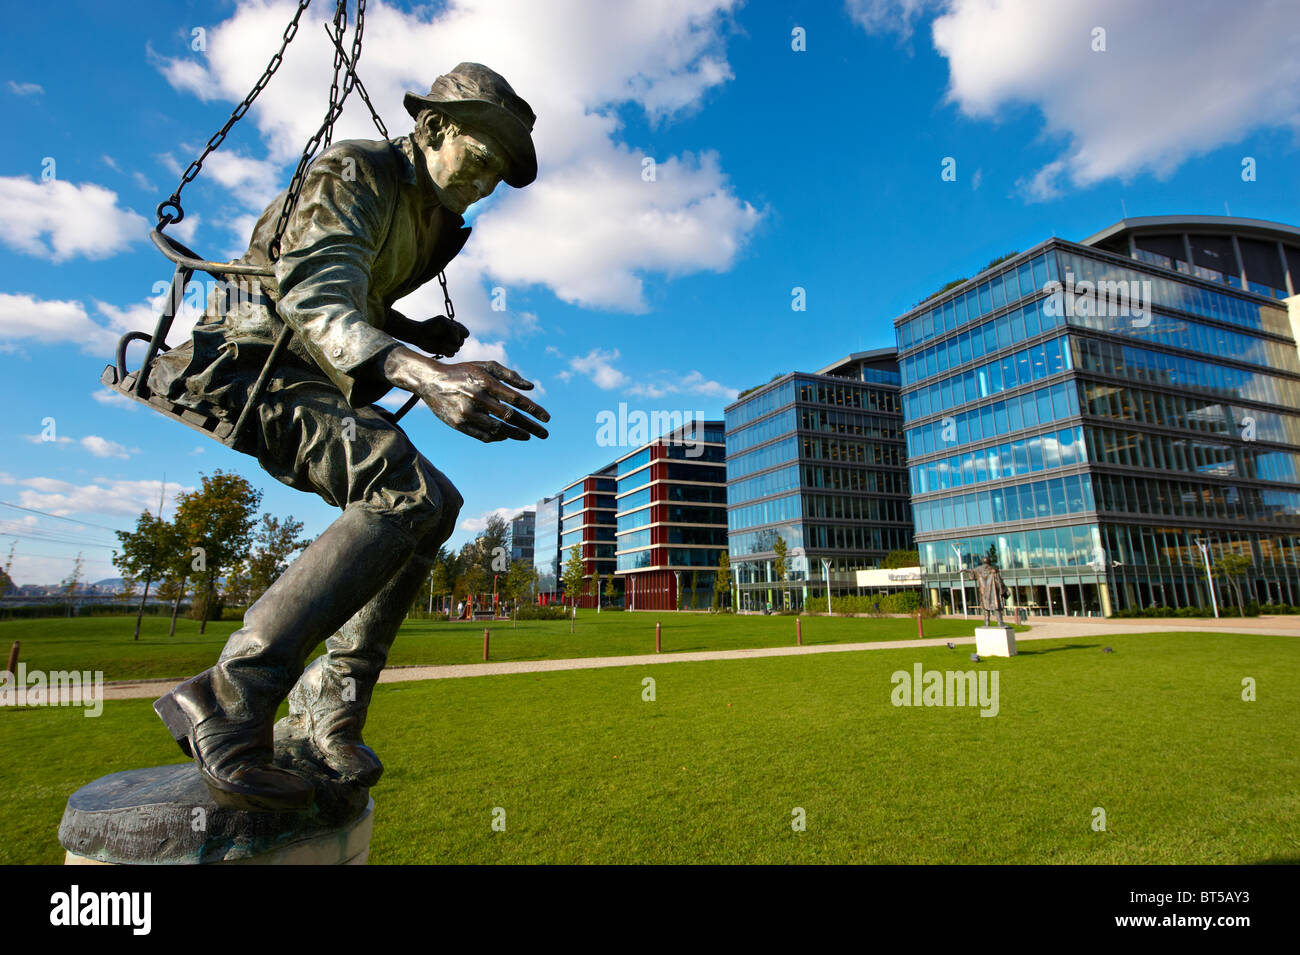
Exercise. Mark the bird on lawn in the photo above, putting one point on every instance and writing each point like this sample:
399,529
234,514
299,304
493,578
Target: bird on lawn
951,646
974,658
1107,650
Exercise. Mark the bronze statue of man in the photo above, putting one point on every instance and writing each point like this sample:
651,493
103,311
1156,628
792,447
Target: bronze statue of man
992,591
374,222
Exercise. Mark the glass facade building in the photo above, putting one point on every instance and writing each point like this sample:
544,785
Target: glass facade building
546,549
522,529
818,460
1089,412
587,522
672,518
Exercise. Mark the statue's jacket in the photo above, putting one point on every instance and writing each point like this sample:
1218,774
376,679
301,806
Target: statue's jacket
367,230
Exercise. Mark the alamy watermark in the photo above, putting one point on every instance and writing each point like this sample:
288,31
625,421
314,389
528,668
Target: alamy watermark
631,429
1111,298
946,688
55,688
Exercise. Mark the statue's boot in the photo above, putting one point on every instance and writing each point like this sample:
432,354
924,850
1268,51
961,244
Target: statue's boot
224,717
328,704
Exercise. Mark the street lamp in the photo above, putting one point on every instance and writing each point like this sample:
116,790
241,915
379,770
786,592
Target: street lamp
962,568
826,568
1204,545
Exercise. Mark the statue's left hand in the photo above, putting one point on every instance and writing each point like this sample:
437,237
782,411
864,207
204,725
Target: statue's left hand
439,335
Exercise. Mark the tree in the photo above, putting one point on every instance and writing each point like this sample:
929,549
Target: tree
176,568
72,582
992,555
722,579
575,574
1233,567
7,581
695,587
128,594
901,558
781,568
143,555
519,581
441,580
235,589
217,524
274,544
494,545
610,590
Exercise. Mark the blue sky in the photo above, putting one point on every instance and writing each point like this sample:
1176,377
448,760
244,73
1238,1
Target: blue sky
774,168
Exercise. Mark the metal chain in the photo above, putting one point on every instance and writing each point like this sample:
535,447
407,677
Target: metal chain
309,151
165,217
340,27
442,280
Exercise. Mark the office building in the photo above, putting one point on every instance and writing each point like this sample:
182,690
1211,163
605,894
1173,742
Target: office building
672,518
546,549
522,529
817,460
587,522
1107,417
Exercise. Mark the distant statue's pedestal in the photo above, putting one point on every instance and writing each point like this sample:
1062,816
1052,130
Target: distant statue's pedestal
995,641
165,815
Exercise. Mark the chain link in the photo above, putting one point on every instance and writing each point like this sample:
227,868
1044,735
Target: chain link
340,27
173,201
325,131
442,280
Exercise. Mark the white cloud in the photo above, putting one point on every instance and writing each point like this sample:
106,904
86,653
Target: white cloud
1176,79
694,383
889,16
57,220
100,496
252,182
106,397
598,365
49,321
25,89
617,228
478,523
41,439
104,448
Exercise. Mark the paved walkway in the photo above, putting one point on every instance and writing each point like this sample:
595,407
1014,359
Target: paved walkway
1051,628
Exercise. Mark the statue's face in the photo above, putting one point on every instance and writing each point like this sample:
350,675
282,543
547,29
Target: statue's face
465,168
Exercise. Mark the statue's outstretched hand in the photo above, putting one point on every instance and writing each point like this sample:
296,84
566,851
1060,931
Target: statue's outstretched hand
474,397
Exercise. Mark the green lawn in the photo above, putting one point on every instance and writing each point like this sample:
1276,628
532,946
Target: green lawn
104,643
1156,734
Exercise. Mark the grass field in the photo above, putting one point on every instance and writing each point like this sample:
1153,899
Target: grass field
104,643
1156,734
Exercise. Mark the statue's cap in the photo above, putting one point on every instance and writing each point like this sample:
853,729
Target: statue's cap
479,98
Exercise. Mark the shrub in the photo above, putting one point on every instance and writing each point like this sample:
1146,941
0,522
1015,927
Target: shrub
203,605
548,612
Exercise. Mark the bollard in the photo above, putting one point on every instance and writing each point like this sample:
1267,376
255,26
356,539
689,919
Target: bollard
658,639
798,632
485,643
13,659
920,628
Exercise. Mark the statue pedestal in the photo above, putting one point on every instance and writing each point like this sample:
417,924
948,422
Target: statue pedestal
165,815
995,641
